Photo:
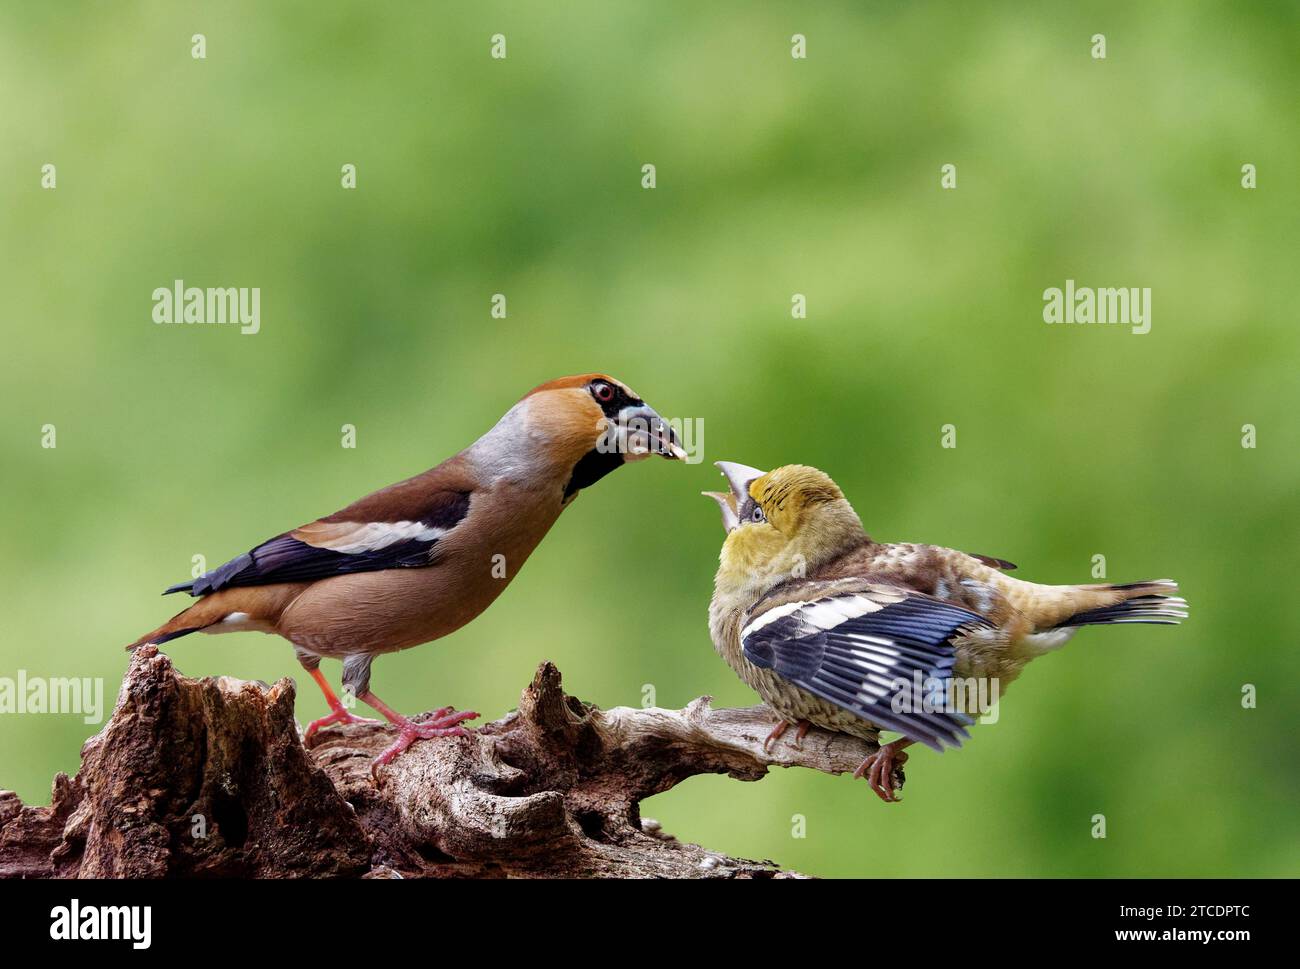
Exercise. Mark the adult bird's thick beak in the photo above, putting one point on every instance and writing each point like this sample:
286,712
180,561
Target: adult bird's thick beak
727,505
641,432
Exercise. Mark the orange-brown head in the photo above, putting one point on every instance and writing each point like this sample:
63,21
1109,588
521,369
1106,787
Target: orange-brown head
581,428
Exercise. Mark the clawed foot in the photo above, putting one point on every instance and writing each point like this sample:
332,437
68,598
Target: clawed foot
444,724
779,731
880,769
800,732
338,716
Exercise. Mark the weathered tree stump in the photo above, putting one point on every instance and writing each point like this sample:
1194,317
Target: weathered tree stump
211,777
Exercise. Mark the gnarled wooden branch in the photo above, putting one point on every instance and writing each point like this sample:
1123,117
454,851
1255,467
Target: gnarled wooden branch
210,776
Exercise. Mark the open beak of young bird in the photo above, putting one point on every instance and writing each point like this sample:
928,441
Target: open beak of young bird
640,432
727,505
739,477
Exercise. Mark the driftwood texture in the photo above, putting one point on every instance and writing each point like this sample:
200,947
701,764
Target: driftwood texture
210,777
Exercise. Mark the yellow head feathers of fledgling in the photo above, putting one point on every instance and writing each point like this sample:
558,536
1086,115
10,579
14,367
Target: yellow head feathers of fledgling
802,521
795,495
806,506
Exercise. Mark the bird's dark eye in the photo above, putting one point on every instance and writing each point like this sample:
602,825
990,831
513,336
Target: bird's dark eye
757,515
602,391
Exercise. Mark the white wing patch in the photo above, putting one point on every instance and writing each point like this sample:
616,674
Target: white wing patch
821,613
881,656
771,616
372,536
875,656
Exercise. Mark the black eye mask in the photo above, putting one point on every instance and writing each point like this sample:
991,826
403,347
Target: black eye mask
620,399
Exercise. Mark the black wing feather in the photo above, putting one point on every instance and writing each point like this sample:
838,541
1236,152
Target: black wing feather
857,663
287,559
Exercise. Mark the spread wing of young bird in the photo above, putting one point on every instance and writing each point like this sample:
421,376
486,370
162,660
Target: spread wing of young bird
833,628
881,653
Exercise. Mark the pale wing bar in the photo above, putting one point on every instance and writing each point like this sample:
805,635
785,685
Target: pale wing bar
860,651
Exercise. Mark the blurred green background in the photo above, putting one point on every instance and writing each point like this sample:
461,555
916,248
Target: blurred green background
775,176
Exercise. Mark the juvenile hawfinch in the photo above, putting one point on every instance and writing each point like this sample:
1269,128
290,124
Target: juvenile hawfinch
421,558
834,629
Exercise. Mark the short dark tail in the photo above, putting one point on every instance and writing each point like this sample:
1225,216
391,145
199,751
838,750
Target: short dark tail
1144,602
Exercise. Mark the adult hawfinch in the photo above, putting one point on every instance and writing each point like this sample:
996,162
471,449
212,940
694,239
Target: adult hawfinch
421,558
